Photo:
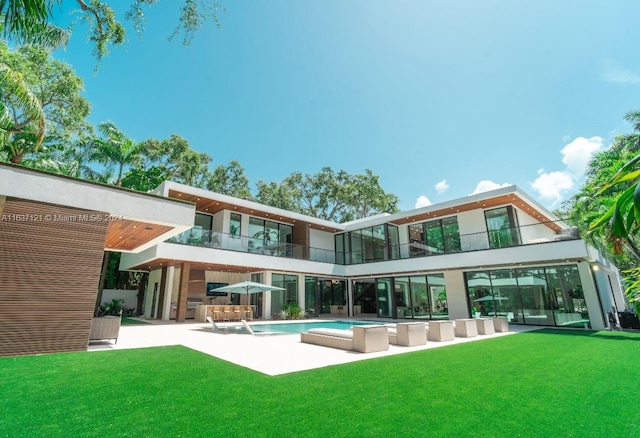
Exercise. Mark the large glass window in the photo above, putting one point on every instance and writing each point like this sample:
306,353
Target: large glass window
256,230
566,291
534,296
438,296
234,225
340,249
417,241
356,247
310,295
270,237
434,237
402,292
393,242
385,302
534,293
279,299
371,244
502,227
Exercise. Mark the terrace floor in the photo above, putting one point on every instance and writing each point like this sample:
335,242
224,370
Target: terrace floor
267,354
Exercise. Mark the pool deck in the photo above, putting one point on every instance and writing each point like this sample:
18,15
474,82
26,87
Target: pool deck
271,355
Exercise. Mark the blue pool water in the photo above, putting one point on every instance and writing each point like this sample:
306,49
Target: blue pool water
300,327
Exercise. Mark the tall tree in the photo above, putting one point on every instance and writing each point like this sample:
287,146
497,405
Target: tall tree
607,208
40,101
31,21
177,160
335,196
229,180
115,150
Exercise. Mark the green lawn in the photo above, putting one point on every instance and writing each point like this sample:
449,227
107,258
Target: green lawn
131,321
551,383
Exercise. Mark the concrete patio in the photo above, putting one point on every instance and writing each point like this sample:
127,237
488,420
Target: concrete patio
267,354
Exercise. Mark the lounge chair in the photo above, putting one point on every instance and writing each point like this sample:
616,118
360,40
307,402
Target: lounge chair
364,339
247,326
233,329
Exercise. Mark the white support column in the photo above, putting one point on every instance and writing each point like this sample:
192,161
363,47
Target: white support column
456,294
168,290
301,292
266,297
591,296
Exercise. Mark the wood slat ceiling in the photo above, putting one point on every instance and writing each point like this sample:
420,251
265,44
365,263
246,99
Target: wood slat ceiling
484,204
211,206
127,235
163,263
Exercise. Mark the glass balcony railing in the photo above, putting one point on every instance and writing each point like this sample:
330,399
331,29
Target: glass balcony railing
374,252
255,245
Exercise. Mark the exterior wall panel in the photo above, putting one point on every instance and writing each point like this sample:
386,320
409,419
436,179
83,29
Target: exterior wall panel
48,278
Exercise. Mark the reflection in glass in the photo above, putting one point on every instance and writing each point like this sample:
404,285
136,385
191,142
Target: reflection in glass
502,226
438,296
536,302
402,296
566,290
383,286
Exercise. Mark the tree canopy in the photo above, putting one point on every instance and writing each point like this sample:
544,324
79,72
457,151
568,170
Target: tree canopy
607,207
335,196
35,21
40,101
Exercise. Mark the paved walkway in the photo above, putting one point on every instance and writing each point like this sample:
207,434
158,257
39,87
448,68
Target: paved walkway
267,354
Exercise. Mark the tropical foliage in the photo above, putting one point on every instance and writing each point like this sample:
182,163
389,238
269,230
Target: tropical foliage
608,205
335,196
40,102
34,21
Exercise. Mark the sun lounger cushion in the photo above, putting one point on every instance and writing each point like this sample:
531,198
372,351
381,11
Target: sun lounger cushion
332,332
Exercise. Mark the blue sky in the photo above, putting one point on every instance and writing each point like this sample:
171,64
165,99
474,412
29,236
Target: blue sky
439,98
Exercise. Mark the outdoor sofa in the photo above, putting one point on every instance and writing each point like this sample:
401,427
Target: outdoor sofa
363,339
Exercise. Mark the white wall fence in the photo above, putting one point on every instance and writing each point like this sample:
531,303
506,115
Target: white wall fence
130,297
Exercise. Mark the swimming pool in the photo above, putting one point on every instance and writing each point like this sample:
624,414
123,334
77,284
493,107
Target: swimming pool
300,327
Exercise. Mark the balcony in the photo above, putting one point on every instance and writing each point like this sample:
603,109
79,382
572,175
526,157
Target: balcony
373,252
254,245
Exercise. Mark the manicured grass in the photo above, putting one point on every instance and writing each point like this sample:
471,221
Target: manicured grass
551,383
131,321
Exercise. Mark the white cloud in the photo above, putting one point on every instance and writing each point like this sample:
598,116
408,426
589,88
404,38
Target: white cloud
577,154
615,73
485,186
423,201
442,186
553,186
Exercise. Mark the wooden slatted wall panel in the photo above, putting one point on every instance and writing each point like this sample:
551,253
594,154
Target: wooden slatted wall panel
49,273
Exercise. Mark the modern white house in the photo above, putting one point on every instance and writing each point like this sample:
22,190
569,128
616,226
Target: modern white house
498,253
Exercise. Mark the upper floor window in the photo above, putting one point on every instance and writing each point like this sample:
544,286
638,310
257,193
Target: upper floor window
434,237
371,244
502,227
234,225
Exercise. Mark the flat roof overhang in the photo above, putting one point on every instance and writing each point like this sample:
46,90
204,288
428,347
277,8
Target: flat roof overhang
136,220
211,203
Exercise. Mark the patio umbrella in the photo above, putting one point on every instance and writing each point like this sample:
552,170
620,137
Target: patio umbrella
247,287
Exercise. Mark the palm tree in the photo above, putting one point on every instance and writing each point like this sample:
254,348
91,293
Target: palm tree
22,129
115,150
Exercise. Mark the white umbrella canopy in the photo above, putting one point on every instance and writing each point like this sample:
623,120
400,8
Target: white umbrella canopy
247,287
